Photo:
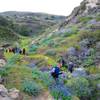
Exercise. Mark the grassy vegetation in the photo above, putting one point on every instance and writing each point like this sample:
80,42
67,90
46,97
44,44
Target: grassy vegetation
7,35
84,19
16,76
93,70
46,59
98,17
90,35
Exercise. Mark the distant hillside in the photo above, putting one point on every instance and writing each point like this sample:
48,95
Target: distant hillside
29,24
6,33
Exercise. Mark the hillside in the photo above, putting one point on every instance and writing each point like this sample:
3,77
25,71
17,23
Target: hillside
6,32
29,24
72,42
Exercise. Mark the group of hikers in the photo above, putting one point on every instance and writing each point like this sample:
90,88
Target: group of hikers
56,70
16,50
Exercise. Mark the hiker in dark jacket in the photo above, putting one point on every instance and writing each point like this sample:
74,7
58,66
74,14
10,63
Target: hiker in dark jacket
70,67
13,50
62,61
20,51
23,51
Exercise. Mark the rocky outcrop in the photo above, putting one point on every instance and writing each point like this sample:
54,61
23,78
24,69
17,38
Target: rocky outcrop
11,94
87,7
82,57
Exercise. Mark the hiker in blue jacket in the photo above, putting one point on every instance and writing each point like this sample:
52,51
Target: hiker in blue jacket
55,71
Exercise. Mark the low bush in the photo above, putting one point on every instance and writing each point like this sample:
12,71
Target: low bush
93,70
92,36
3,72
72,30
79,86
60,92
44,78
88,62
84,19
98,17
51,52
33,48
31,87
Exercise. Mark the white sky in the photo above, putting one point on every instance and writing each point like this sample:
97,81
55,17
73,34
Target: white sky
58,7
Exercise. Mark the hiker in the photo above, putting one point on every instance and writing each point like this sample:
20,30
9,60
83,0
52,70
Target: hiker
70,67
23,51
55,72
10,49
62,61
6,50
20,52
13,50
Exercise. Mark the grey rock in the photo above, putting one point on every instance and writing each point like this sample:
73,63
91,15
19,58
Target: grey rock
14,94
79,72
5,98
2,62
98,45
93,22
32,65
3,91
71,51
98,86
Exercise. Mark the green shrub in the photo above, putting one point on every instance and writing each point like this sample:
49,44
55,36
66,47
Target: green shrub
10,63
88,62
79,86
70,31
31,87
42,77
13,60
51,52
98,17
84,19
3,72
92,36
59,95
93,70
33,48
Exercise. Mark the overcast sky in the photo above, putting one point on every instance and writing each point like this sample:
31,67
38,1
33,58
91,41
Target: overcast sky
58,7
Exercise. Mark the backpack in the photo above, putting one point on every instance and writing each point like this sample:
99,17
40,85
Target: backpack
55,70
